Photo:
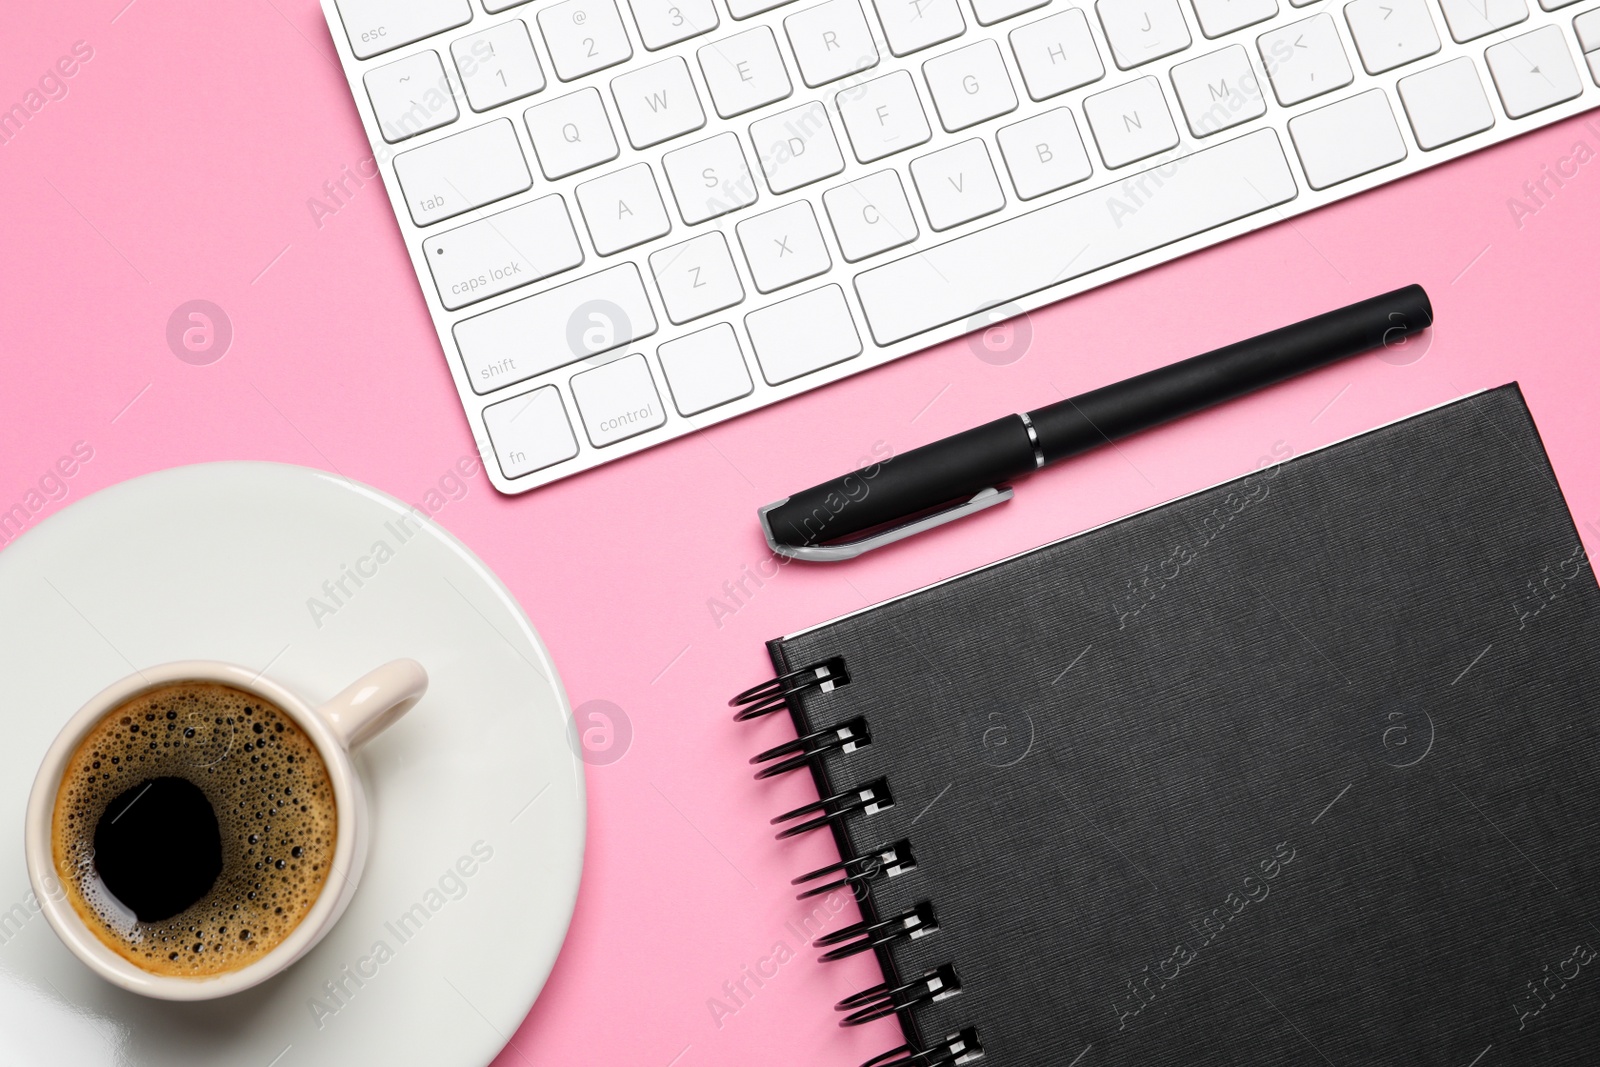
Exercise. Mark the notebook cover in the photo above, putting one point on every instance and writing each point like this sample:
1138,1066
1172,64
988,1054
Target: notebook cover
1296,770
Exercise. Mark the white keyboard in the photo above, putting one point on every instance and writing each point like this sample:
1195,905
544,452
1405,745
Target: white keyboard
634,218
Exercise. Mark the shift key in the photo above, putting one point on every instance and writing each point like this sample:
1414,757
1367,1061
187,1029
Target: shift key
528,243
462,171
551,329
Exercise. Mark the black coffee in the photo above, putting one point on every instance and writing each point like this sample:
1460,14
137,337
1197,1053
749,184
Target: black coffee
157,848
194,828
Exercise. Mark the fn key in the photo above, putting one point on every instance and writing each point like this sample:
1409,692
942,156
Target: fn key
530,432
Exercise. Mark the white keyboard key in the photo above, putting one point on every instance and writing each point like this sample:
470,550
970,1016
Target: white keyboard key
1044,153
664,22
1218,17
744,72
1073,237
657,102
796,147
498,65
494,7
870,215
377,26
1345,140
912,25
831,41
1391,33
705,370
623,209
1139,31
1445,103
1533,71
584,36
709,178
696,277
783,246
618,401
1056,54
1218,90
803,334
1587,27
883,116
463,171
551,329
743,9
970,85
571,133
530,432
410,96
957,184
1131,122
524,244
990,12
1470,19
1304,59
1555,5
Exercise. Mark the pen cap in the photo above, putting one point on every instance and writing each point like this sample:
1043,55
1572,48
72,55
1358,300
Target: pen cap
906,485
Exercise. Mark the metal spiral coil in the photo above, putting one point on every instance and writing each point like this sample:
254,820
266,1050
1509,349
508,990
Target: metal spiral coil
770,696
857,872
885,861
866,936
955,1049
883,1000
846,737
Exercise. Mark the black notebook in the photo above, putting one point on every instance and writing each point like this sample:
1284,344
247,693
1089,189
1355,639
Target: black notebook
1298,770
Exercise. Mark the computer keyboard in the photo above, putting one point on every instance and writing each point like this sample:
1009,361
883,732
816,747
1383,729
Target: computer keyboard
632,219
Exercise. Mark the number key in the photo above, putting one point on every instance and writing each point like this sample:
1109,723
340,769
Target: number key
584,36
498,65
664,22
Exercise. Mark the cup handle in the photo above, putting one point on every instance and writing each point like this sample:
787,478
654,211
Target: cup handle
370,704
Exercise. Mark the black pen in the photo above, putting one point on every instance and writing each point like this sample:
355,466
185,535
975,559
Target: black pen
963,474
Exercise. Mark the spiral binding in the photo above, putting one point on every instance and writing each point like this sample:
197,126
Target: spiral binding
857,872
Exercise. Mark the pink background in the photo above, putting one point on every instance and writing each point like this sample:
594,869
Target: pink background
179,166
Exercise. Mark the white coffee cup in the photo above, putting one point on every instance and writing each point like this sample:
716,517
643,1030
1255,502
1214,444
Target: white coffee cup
361,711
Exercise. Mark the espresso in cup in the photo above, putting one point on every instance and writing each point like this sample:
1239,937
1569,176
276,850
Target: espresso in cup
193,829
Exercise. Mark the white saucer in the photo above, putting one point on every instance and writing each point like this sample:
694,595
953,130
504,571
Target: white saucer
219,562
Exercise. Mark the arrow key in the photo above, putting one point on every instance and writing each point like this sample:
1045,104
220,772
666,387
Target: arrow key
1533,71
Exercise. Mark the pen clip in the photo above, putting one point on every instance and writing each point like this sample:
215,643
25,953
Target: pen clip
984,498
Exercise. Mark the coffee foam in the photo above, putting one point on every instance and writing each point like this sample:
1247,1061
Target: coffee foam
274,805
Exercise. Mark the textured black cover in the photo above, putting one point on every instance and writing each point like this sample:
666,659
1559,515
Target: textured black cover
1297,770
